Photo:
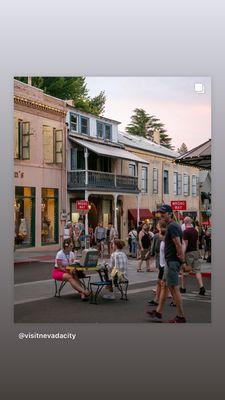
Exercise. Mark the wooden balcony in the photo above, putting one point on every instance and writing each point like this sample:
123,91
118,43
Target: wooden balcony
102,181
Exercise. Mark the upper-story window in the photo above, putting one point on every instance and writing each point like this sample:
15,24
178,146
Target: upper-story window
175,183
186,186
21,140
144,179
132,169
104,131
52,145
166,182
194,185
155,180
79,124
179,184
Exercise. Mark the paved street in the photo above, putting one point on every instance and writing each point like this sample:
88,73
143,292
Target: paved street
35,301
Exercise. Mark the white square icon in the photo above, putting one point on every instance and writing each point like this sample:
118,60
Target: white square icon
199,88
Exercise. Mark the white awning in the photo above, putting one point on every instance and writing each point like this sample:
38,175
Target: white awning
108,151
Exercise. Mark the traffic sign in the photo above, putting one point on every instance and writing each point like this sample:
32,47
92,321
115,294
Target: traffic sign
179,205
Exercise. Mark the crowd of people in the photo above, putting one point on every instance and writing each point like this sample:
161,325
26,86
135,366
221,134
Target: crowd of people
175,248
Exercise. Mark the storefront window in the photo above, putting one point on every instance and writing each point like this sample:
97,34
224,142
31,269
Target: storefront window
24,216
49,216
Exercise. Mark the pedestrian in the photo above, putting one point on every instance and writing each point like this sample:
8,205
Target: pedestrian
159,252
118,262
100,237
207,240
64,258
174,257
139,228
145,237
111,235
190,238
133,241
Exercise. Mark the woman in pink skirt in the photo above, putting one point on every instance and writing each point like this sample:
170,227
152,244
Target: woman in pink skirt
64,258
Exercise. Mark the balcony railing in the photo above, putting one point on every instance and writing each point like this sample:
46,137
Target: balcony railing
76,180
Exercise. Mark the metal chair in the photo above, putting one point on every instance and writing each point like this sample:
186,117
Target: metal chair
58,287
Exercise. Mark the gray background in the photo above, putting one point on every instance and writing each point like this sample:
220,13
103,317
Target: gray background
117,38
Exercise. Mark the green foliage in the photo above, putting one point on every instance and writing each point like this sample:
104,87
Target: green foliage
183,149
70,88
143,124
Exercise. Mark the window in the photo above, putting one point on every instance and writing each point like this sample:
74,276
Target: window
166,182
99,130
186,187
49,216
175,183
179,184
84,125
73,122
24,216
155,180
132,170
194,185
52,145
21,139
104,131
144,179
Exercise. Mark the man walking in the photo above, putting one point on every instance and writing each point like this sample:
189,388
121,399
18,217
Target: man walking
174,256
100,237
190,237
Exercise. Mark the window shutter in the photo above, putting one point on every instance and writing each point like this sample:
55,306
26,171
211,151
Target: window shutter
58,146
48,144
25,140
16,138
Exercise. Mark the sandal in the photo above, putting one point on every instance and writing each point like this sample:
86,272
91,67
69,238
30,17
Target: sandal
84,296
139,270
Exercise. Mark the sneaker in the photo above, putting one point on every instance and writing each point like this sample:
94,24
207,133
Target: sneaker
177,320
182,290
154,316
202,291
153,303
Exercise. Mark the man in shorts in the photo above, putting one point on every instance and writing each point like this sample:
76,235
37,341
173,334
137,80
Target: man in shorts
190,237
174,257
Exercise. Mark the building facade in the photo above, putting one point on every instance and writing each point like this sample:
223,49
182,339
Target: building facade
96,169
161,181
39,168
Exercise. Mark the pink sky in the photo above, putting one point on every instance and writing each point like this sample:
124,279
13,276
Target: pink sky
185,113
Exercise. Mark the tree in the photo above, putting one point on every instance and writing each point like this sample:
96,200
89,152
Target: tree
70,88
143,124
183,149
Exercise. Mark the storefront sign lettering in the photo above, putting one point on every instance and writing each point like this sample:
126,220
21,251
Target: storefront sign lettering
18,174
179,205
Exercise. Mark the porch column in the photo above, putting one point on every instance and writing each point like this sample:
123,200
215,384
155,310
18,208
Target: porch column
138,208
86,165
86,218
115,211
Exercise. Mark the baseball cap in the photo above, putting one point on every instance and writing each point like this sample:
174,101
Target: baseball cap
165,208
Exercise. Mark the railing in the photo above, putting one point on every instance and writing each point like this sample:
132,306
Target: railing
102,180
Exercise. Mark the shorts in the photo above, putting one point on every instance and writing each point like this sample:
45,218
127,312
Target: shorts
57,274
161,273
145,254
192,259
171,273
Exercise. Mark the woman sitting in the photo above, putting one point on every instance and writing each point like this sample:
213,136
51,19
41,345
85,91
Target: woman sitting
64,258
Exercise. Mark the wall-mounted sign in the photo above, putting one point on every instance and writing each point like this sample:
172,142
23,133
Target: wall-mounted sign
18,174
82,205
179,205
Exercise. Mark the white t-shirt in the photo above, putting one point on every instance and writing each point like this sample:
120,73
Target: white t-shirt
66,259
162,261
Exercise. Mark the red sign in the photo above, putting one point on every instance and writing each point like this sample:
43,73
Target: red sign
179,205
82,205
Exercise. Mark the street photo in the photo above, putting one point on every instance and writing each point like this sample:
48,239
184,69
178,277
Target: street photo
112,199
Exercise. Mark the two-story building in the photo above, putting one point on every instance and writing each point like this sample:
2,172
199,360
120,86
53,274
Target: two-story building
160,181
39,168
96,168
